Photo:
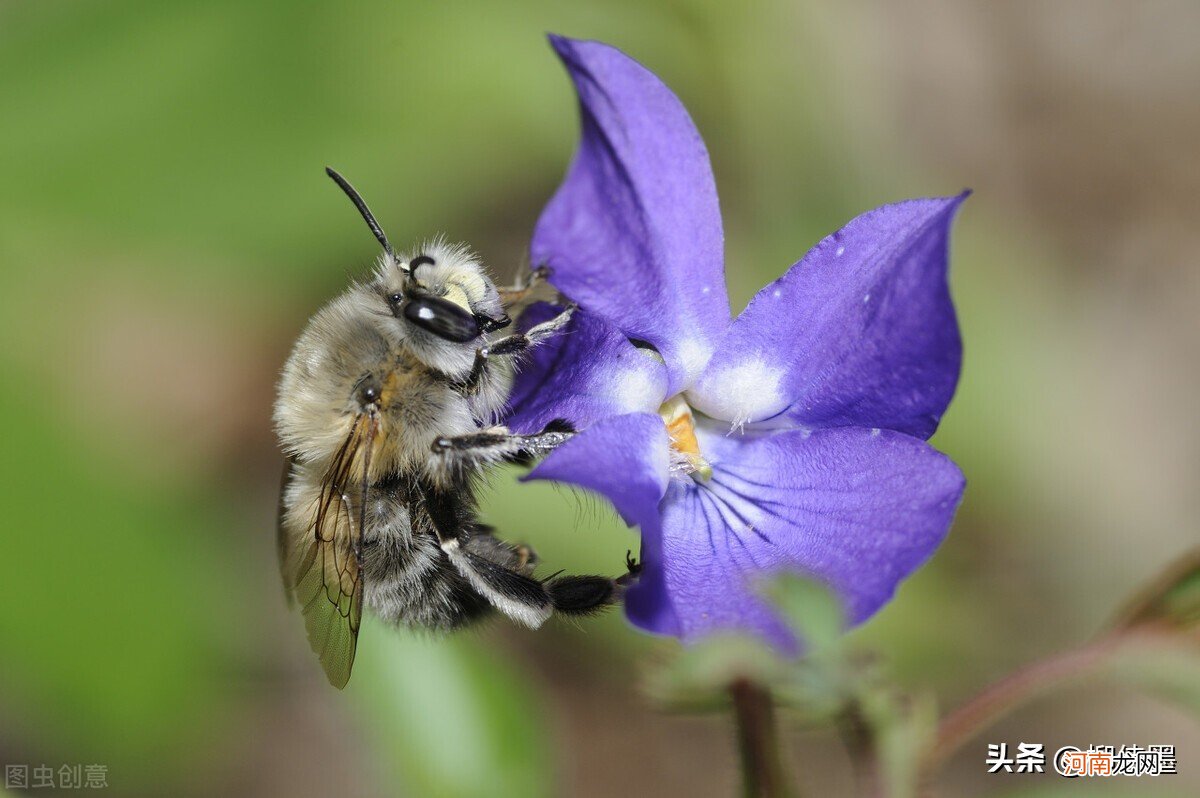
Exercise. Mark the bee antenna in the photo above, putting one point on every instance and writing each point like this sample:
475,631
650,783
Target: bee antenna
361,204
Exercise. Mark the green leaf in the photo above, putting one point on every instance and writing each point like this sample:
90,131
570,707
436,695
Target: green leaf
448,717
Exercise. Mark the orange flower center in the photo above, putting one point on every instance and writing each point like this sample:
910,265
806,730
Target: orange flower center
681,427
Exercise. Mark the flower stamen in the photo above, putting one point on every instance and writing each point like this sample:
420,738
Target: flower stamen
681,427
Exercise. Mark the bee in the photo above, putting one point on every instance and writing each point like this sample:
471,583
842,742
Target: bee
386,412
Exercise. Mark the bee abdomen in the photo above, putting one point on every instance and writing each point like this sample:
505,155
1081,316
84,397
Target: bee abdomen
426,593
409,579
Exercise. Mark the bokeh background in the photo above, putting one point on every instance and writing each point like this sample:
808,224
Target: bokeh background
166,230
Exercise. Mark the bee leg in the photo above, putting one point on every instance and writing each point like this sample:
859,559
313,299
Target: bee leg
494,570
518,596
633,569
583,595
515,556
518,343
525,284
511,345
500,571
507,589
520,555
471,384
500,444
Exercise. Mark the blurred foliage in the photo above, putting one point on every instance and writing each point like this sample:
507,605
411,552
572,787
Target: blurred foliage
888,732
446,718
1163,667
818,685
894,735
1173,599
165,231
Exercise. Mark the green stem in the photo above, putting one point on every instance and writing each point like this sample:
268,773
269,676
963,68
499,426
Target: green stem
758,741
857,737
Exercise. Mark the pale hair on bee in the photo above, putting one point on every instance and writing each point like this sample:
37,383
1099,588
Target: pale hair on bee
386,412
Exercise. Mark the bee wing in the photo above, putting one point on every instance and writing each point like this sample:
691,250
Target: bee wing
328,583
330,592
282,542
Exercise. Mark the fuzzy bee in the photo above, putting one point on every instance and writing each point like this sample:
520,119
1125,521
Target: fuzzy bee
386,412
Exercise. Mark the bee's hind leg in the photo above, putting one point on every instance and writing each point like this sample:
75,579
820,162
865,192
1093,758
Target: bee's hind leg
501,571
515,556
509,587
583,595
586,595
491,567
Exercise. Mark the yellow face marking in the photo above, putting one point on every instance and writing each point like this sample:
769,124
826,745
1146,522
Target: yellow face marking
458,296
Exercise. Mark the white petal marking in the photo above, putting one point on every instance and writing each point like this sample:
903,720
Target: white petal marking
694,355
635,390
747,391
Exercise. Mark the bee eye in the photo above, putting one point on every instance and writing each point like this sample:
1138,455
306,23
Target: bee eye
442,317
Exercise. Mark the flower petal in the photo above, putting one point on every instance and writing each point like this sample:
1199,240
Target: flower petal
861,332
626,460
648,603
857,509
634,232
588,372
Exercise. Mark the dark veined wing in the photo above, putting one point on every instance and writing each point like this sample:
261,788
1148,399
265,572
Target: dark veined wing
328,581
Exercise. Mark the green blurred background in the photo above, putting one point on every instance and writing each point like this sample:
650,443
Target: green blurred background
166,230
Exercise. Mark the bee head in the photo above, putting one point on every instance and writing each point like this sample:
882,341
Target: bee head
443,290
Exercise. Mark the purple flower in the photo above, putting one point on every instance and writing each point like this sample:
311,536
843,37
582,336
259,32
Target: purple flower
791,438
